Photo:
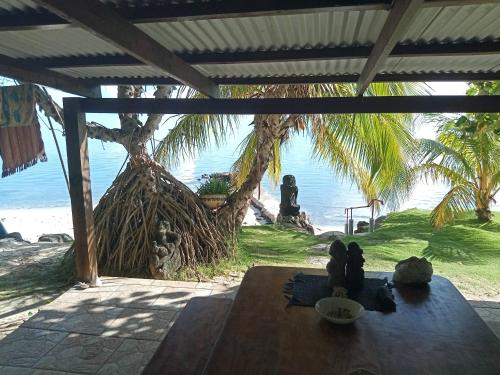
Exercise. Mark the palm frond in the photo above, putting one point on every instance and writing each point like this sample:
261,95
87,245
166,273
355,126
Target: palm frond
192,134
458,200
274,168
242,166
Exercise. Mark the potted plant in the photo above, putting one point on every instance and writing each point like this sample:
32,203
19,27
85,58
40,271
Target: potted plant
214,192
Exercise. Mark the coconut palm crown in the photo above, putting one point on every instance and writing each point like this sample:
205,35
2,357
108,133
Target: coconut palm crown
466,156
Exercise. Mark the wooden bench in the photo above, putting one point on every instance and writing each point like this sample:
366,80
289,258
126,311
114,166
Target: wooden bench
189,343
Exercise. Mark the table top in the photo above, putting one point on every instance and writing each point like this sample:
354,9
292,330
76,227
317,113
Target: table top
433,331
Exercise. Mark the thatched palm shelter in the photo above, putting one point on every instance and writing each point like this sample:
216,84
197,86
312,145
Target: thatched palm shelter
76,46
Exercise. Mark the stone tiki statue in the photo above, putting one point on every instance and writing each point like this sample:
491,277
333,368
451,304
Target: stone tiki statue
336,265
355,274
165,258
289,193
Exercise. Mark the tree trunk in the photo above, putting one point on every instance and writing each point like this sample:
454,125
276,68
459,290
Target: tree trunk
268,129
483,214
483,200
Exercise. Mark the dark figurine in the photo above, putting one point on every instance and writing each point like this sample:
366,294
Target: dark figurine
289,193
336,265
355,275
165,257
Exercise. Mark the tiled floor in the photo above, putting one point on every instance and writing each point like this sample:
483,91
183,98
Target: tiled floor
116,328
113,329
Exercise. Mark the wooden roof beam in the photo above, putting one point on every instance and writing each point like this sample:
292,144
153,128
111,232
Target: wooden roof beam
367,104
396,25
12,68
104,22
306,54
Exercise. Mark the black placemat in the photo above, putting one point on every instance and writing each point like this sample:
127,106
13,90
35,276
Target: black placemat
306,290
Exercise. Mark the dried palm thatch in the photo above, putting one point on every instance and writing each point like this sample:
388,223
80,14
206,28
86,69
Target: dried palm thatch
127,215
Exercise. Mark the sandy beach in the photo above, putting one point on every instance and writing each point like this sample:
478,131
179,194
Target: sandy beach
34,222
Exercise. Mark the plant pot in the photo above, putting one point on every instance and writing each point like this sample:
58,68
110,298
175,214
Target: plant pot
213,201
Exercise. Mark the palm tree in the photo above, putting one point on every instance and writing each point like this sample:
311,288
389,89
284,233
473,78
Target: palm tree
371,149
466,155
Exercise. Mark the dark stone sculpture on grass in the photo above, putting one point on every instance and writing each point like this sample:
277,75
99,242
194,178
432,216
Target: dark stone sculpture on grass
336,265
166,258
355,274
289,193
290,214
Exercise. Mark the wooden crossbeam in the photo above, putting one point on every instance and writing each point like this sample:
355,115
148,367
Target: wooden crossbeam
368,104
397,23
104,22
15,69
306,54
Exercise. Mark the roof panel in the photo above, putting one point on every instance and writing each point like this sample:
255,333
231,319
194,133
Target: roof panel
470,22
442,64
113,71
67,42
326,28
270,32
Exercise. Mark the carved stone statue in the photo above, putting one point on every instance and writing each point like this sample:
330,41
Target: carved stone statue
355,274
165,258
336,265
289,193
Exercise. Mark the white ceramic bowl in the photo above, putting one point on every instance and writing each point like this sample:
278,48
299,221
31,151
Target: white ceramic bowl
325,305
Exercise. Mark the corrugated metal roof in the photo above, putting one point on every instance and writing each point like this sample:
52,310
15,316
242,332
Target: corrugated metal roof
10,5
328,28
446,64
17,5
469,22
67,42
113,71
269,32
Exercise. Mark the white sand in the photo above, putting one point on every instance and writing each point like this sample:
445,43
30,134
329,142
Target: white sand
33,222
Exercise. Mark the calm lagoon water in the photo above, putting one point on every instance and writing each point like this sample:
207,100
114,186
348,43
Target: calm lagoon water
321,194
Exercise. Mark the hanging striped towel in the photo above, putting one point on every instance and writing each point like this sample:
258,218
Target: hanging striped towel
21,144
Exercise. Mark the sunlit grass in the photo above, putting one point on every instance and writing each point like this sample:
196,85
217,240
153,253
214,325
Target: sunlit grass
467,252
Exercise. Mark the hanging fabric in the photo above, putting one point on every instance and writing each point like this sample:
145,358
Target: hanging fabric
21,144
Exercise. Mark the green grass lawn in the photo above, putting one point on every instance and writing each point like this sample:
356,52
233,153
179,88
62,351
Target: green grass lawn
467,252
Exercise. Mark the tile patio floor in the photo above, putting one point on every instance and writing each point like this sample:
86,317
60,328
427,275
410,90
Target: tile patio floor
116,328
113,329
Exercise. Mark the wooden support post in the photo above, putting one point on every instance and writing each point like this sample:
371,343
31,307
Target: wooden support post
80,192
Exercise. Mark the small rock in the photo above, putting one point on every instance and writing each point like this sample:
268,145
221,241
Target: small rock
55,238
413,271
362,227
15,235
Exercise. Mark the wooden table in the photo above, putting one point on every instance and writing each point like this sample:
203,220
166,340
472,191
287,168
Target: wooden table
434,331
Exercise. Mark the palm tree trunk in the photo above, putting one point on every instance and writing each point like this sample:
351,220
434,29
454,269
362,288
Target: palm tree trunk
483,211
267,129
